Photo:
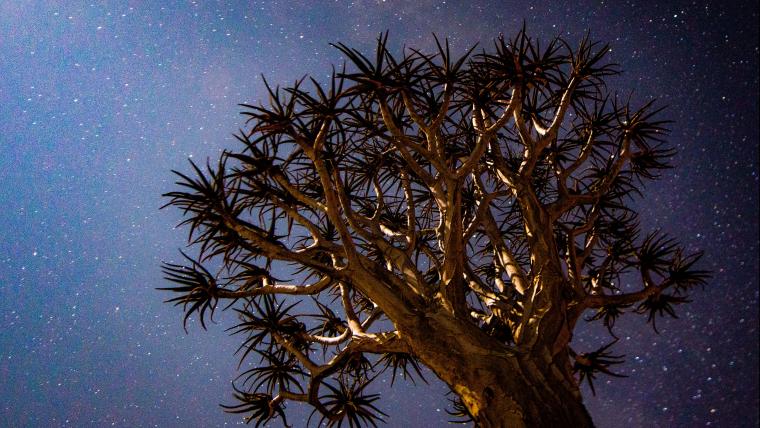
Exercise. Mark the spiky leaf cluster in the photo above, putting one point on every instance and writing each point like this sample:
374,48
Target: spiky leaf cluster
589,364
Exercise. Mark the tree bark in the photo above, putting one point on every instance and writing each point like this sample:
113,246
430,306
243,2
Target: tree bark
499,386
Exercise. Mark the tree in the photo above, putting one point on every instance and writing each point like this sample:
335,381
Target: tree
457,213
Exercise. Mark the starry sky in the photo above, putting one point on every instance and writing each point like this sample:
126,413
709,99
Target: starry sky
100,100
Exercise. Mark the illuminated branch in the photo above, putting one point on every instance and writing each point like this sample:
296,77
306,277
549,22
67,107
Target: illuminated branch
295,290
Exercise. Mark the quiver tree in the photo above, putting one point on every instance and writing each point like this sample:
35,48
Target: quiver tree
457,213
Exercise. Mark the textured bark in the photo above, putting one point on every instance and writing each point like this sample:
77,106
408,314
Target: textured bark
499,386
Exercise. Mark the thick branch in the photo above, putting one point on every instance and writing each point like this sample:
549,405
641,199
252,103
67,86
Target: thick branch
599,300
403,143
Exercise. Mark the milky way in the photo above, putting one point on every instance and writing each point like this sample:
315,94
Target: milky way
99,101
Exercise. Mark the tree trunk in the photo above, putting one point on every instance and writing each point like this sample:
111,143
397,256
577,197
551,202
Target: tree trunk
500,388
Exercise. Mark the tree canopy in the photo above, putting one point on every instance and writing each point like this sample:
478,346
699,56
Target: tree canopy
495,188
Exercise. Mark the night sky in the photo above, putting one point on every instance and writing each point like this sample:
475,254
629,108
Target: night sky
99,101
